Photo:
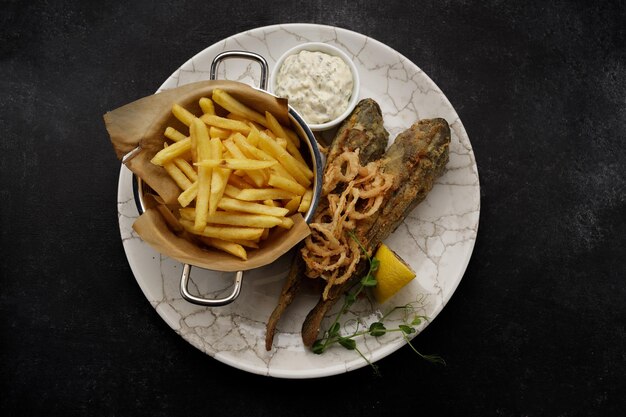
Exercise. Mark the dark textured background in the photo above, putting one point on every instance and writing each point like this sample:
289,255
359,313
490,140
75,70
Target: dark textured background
537,325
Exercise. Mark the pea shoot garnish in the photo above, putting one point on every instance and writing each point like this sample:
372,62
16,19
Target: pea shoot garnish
376,329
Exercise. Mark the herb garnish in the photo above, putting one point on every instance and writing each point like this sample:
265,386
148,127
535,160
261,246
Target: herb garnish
376,329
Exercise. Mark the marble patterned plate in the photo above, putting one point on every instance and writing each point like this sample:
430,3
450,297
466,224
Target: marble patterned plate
436,239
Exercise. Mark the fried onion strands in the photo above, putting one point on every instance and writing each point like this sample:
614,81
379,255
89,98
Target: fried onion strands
351,193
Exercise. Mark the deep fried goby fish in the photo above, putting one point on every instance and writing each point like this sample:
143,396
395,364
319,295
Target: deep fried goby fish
416,158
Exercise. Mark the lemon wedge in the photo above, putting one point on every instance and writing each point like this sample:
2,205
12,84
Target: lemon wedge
392,274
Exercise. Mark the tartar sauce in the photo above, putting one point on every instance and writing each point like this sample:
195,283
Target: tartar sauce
316,84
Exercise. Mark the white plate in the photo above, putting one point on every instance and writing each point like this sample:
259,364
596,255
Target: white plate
436,239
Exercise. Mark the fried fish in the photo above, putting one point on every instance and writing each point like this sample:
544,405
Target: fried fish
416,159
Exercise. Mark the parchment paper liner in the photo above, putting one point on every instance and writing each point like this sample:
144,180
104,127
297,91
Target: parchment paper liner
142,123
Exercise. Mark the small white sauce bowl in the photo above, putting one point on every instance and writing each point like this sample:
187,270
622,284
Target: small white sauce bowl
330,50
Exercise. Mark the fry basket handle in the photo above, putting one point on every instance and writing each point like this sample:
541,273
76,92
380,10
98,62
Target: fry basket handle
184,279
214,302
242,55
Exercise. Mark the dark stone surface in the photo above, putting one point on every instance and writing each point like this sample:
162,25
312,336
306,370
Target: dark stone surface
537,326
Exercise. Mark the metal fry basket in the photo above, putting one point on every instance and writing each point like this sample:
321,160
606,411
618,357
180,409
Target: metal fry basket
140,188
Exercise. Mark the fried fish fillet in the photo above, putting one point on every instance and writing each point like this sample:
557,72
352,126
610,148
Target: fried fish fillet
416,159
362,130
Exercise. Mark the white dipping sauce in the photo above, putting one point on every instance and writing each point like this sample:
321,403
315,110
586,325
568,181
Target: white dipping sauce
316,84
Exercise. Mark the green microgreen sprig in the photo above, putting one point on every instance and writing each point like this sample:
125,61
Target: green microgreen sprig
376,329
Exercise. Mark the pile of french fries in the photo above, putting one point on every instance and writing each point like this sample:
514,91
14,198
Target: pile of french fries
240,175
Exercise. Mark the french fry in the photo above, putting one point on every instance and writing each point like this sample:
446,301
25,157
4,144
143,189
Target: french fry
225,232
177,175
286,223
182,114
186,197
231,191
253,151
187,169
173,134
194,146
245,164
248,180
280,131
250,123
246,243
291,164
295,153
239,117
274,126
306,201
280,170
206,104
293,150
254,244
293,136
233,105
200,132
173,151
234,219
219,176
293,205
259,194
257,177
234,116
255,125
224,123
238,182
253,136
216,132
231,204
282,142
246,176
286,184
226,246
